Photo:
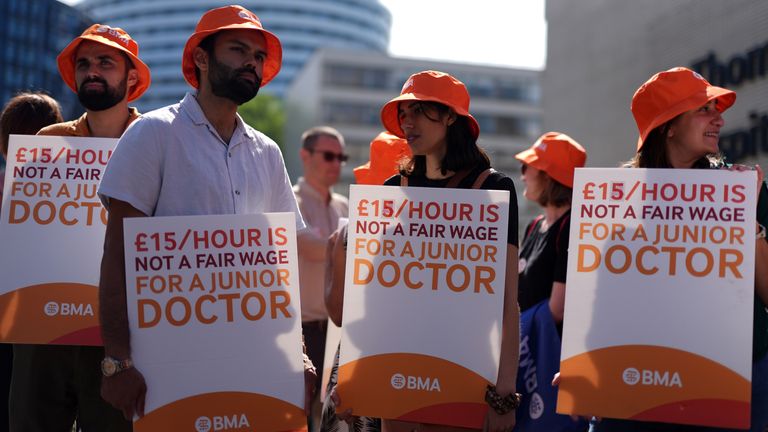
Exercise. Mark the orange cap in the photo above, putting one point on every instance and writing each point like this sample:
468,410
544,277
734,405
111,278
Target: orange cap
430,86
670,93
112,37
233,17
556,154
387,151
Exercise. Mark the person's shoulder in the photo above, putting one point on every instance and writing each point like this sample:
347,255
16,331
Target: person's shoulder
58,129
163,115
260,139
498,180
339,198
393,181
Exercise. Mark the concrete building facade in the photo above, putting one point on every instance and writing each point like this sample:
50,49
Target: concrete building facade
346,90
600,51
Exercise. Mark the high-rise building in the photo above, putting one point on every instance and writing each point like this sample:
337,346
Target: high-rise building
162,27
32,33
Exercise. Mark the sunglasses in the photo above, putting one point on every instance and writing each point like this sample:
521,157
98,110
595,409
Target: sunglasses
329,156
523,168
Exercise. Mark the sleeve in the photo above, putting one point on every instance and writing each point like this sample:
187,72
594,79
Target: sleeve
498,181
762,205
393,181
134,172
283,198
561,250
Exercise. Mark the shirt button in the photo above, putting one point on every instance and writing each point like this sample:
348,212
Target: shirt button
237,192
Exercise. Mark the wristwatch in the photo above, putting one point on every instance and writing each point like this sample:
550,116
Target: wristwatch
111,366
760,231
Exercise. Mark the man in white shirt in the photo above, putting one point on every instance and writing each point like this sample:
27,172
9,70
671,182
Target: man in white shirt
197,157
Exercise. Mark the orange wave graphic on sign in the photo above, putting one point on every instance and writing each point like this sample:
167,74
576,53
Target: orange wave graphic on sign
53,313
646,382
413,387
233,411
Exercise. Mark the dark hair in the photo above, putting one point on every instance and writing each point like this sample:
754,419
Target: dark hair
206,45
553,192
462,151
27,113
653,153
310,136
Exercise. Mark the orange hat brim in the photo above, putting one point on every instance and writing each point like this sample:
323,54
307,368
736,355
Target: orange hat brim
272,64
391,122
725,99
66,64
530,157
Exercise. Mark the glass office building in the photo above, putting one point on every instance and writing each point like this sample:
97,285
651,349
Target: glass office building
32,33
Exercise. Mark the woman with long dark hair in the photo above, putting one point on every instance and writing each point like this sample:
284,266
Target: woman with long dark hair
679,117
432,114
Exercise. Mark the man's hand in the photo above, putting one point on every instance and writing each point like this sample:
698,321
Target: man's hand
125,391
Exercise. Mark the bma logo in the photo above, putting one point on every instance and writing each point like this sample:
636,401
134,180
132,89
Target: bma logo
247,16
536,407
220,423
400,381
114,33
632,376
68,309
408,84
51,308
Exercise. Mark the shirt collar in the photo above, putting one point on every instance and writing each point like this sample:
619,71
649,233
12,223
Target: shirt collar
79,127
191,107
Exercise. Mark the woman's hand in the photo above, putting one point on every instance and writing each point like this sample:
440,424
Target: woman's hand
760,174
495,422
345,415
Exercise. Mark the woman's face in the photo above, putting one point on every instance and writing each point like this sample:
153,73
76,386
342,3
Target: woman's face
695,133
533,181
424,128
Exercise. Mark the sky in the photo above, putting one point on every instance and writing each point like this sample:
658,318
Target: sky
492,32
497,32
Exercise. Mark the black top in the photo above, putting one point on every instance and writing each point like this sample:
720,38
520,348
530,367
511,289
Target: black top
543,260
495,181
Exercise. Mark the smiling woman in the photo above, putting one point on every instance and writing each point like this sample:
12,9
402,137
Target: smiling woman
679,117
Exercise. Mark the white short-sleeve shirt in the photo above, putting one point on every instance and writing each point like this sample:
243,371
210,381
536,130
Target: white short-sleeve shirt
172,162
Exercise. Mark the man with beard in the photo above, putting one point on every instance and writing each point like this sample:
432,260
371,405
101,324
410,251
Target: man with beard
196,157
54,385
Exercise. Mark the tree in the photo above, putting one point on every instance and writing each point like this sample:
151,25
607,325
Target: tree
266,114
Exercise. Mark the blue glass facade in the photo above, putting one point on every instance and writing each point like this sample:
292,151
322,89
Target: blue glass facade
32,33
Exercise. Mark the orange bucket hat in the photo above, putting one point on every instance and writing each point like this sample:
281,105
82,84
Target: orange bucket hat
233,17
387,151
112,37
556,154
670,93
431,86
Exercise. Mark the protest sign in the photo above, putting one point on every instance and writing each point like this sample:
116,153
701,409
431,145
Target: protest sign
658,310
52,231
423,302
215,321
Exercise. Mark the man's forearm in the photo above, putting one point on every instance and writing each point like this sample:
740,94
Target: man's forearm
113,311
112,303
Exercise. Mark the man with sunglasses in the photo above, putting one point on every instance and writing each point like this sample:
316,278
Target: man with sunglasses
322,154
